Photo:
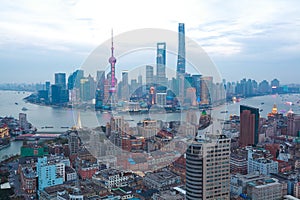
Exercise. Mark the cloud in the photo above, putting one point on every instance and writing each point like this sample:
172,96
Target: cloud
231,29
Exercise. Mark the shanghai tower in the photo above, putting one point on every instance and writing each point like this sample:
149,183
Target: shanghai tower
181,50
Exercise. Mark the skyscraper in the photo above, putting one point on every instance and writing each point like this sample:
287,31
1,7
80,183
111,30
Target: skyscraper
208,167
60,80
206,90
161,63
249,119
149,76
181,49
55,94
125,86
196,83
100,90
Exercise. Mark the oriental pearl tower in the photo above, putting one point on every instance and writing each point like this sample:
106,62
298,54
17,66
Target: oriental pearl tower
112,60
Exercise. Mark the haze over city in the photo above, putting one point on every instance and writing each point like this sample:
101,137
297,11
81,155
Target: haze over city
242,38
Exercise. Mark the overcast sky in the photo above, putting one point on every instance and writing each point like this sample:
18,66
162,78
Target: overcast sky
245,39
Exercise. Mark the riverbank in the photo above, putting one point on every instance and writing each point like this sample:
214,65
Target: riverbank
4,146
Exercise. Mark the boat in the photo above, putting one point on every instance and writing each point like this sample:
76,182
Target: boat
261,110
16,103
48,126
64,127
262,103
24,109
224,111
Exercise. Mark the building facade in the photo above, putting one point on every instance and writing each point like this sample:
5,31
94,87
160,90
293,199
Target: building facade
181,49
249,122
256,162
208,168
161,63
49,174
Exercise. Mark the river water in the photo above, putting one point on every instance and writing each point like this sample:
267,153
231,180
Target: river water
11,104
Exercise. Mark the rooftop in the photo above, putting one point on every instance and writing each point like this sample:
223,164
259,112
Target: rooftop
29,172
161,176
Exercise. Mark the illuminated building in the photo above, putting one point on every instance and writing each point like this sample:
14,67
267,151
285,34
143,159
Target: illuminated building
152,96
112,60
4,132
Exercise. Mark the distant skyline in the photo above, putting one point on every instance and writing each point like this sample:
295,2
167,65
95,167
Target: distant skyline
248,39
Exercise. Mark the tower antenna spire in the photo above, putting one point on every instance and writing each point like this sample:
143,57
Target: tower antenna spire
112,42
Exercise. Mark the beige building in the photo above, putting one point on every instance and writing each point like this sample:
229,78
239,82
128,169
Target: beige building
208,167
269,189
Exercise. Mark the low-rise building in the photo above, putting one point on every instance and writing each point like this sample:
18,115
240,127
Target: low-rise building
297,190
238,182
259,160
71,174
4,132
112,178
269,188
28,180
161,180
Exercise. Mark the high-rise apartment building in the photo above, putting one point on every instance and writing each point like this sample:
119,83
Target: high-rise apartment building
161,63
24,125
73,142
117,124
208,167
249,121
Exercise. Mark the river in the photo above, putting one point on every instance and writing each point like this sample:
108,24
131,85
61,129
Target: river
11,104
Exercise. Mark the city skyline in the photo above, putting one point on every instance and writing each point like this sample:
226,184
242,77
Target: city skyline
38,44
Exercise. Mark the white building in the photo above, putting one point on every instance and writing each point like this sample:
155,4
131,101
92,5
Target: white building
70,174
259,163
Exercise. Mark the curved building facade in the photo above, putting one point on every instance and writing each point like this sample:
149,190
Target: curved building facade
208,168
